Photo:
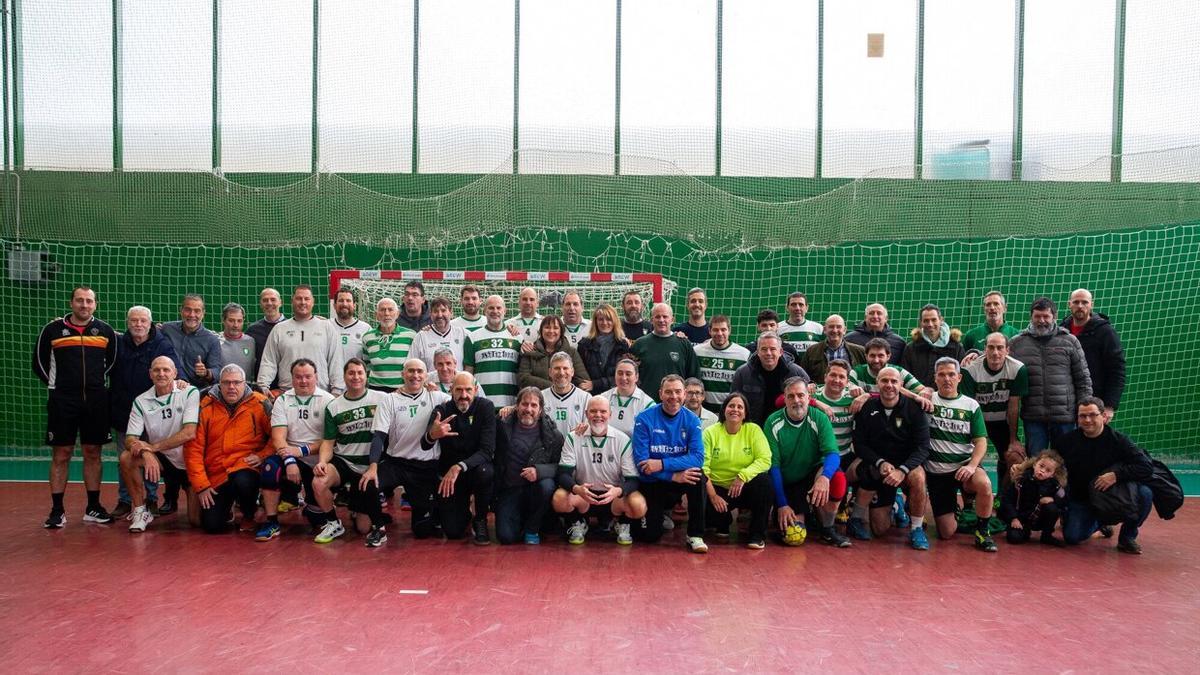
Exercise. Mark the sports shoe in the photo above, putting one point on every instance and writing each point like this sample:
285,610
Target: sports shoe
1129,546
1049,539
1106,531
668,524
843,514
756,544
481,532
900,517
624,537
697,545
152,506
97,515
286,505
918,540
533,538
984,542
55,520
267,532
577,532
857,528
123,509
330,531
376,537
168,507
833,538
141,518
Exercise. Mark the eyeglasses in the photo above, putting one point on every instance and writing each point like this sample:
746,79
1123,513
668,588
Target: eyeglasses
232,383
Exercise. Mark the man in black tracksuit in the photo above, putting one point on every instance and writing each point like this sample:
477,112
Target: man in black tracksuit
465,429
1102,349
891,439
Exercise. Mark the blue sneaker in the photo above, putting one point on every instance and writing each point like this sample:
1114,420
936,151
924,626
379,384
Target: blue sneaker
899,512
917,539
533,538
267,532
855,527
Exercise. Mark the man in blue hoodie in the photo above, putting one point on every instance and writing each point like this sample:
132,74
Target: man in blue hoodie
668,450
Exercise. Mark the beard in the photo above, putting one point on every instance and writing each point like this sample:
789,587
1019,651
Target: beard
1042,330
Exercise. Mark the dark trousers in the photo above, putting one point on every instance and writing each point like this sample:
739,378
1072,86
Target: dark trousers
1042,519
242,488
757,495
454,511
419,480
521,509
997,433
662,496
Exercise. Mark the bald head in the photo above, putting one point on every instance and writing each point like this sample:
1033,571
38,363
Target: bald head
414,375
1081,306
661,317
598,412
835,330
162,374
493,310
462,391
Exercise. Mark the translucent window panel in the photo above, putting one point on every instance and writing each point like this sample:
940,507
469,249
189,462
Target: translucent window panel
465,88
365,88
167,85
266,86
1162,90
669,84
769,88
67,61
869,102
1068,90
968,89
568,96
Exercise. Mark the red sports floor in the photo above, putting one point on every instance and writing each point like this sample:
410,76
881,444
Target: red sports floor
96,598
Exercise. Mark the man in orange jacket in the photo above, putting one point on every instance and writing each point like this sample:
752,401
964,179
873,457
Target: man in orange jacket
232,439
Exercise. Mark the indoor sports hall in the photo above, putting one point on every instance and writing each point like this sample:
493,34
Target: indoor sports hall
162,160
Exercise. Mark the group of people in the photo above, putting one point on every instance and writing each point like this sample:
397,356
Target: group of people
543,421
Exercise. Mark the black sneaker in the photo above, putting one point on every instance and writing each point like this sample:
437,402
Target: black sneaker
984,542
55,520
151,506
1049,539
168,507
1129,546
97,514
481,532
376,537
1106,531
834,538
123,509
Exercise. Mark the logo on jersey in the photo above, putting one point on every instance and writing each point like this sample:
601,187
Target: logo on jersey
66,332
675,356
94,331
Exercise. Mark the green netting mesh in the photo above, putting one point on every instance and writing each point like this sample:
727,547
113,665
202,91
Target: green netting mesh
147,238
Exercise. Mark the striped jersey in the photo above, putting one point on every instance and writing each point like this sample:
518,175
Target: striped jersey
404,418
566,410
992,390
469,325
161,417
527,329
576,333
427,342
717,366
494,355
624,409
842,419
803,336
304,418
953,425
599,459
862,376
349,338
385,354
349,422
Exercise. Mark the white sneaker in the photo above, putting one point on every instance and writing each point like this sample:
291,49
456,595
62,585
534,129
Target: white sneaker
668,524
577,532
624,538
330,531
140,519
697,545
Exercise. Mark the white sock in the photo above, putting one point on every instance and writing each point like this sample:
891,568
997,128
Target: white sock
917,522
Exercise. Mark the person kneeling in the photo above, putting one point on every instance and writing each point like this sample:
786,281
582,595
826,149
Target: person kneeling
528,450
596,474
736,460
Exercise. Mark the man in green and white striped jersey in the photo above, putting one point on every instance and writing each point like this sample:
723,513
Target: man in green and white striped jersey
719,358
835,399
492,353
798,331
998,382
863,376
958,442
385,349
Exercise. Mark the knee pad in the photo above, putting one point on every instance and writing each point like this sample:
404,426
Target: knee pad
837,486
272,472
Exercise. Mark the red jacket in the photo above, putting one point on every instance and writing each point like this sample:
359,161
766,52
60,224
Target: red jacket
225,436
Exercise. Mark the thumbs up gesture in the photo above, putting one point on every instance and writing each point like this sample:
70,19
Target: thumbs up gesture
200,368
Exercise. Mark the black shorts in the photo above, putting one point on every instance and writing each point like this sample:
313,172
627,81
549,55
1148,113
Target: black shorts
846,460
70,417
869,479
170,474
347,476
943,492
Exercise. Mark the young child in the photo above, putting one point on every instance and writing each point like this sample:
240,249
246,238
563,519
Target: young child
1034,499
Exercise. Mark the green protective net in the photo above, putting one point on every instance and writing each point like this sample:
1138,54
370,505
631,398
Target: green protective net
148,238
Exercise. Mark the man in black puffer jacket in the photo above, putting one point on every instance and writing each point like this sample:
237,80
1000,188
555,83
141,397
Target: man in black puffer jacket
932,341
1102,347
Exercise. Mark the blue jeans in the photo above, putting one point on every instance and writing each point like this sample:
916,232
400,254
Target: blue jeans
520,509
123,493
1039,434
1080,522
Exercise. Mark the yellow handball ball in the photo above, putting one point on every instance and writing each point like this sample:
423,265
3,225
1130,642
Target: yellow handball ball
795,535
